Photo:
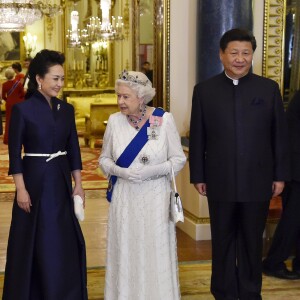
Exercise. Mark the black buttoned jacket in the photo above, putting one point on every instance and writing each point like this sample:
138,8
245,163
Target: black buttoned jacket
238,138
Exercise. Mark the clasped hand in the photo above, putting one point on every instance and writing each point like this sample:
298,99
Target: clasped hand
138,175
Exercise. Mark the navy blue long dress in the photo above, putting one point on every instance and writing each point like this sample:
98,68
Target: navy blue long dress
46,251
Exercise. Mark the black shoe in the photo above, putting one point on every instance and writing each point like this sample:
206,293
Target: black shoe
282,274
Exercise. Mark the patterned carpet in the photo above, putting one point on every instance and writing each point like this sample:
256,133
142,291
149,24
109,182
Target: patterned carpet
195,284
92,177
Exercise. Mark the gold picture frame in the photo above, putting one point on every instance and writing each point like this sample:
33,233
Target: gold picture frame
11,48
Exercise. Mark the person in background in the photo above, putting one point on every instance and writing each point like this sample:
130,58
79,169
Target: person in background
46,250
239,160
18,69
140,146
12,93
26,65
146,69
287,235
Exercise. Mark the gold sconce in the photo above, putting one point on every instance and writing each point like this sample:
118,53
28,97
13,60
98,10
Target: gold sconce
29,43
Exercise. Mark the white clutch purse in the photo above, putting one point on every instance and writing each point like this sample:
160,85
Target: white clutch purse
78,207
176,210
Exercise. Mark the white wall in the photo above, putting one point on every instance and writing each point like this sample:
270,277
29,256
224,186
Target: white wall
183,56
182,60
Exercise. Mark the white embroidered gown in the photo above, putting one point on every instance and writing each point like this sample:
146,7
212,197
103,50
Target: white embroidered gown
141,243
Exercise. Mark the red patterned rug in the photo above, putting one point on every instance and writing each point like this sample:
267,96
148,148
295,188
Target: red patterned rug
92,177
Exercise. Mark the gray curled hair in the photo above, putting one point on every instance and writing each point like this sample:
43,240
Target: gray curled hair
139,83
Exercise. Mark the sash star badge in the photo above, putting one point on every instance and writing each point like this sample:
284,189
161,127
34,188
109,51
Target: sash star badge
153,133
144,159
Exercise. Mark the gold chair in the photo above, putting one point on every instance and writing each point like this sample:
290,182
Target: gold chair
96,122
82,110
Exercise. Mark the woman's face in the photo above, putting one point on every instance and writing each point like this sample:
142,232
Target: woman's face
128,101
52,82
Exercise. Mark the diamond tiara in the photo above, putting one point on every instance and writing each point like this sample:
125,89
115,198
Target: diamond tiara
134,78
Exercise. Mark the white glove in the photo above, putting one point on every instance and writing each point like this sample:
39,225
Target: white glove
126,173
78,207
146,172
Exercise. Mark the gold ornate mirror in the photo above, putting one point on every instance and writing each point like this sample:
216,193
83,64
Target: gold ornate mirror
153,45
292,49
146,38
281,54
274,27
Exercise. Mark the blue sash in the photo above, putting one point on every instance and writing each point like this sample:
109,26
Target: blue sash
131,151
12,88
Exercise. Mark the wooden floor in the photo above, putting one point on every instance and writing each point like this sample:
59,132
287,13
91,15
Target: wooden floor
94,230
194,283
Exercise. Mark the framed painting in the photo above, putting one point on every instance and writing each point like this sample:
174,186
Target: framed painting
11,47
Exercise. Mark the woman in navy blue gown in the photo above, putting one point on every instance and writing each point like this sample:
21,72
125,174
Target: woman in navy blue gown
46,250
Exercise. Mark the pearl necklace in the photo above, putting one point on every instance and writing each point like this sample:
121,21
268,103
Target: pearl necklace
136,122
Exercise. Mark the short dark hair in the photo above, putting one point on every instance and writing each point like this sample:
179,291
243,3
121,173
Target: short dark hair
237,34
40,65
17,66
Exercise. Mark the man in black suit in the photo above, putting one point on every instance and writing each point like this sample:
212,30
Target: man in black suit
239,159
146,69
287,234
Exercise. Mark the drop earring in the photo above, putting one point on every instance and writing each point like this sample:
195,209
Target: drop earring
40,86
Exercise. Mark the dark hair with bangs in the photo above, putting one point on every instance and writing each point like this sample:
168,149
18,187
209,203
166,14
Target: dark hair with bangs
237,34
40,65
17,66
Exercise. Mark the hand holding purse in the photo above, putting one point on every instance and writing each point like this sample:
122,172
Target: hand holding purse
78,207
176,210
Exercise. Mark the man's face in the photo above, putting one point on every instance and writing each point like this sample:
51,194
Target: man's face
237,58
146,67
26,64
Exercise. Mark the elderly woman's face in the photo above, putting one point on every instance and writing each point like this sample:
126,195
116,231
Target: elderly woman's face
128,101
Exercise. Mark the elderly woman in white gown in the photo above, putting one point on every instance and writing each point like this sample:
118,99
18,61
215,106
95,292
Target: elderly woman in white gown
141,244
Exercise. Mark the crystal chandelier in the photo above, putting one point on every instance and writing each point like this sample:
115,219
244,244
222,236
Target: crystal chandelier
16,14
104,29
97,29
73,35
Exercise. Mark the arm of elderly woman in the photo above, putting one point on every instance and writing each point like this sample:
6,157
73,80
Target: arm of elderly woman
125,173
175,152
146,172
106,162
